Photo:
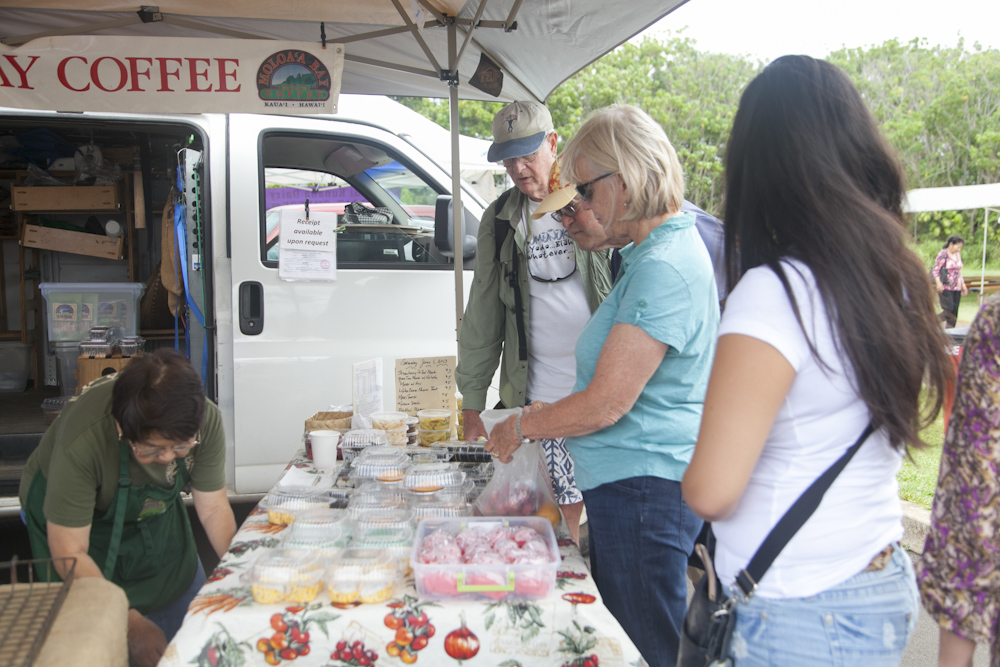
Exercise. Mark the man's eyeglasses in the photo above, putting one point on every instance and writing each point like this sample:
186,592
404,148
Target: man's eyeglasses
149,451
584,189
568,211
524,159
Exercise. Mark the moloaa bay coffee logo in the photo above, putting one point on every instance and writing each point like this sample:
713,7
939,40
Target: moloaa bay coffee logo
293,76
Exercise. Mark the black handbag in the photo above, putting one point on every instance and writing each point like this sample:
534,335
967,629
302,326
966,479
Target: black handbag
711,616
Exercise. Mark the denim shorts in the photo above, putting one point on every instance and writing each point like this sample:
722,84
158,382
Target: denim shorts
866,620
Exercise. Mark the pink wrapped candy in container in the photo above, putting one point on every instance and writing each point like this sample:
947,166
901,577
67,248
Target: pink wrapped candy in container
475,558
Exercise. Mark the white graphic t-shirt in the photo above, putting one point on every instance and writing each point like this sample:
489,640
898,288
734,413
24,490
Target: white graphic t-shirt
557,310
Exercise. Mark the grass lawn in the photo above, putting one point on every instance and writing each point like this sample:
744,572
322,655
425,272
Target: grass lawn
918,478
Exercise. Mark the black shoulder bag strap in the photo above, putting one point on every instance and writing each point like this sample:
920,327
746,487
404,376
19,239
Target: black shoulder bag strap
501,229
794,518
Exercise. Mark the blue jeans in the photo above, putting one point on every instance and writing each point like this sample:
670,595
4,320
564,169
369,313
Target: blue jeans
169,618
641,533
866,620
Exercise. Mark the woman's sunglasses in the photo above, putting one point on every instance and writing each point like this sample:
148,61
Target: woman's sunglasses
584,189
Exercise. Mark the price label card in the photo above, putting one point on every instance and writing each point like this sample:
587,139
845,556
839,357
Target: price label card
425,383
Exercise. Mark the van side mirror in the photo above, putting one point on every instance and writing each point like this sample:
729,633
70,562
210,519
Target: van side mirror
444,230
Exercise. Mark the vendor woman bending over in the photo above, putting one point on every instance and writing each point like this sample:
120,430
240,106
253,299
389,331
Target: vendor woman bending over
104,487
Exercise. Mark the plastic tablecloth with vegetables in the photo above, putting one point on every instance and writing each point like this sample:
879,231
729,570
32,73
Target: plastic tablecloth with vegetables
225,626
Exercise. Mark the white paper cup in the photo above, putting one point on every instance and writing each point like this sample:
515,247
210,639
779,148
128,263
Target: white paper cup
324,448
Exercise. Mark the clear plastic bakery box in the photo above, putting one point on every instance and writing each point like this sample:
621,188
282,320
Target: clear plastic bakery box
73,308
466,581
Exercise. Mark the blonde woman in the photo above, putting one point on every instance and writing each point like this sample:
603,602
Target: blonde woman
642,368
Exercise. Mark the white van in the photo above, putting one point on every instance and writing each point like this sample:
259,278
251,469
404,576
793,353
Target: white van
273,352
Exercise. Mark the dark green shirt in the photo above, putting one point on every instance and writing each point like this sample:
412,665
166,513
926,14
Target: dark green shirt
78,456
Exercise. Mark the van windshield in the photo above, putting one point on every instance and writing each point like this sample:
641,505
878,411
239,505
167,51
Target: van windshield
384,209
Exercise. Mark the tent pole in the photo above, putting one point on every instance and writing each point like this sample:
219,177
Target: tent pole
982,270
458,236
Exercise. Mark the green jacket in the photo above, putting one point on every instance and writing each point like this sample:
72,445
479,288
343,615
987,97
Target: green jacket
489,327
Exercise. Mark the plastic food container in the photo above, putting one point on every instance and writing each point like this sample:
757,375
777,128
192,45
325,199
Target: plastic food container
411,425
292,575
362,506
100,333
388,420
383,518
324,531
131,346
339,498
464,492
466,581
440,509
469,452
284,503
427,438
354,442
382,454
432,477
434,453
52,408
397,542
95,349
434,420
376,489
361,575
396,436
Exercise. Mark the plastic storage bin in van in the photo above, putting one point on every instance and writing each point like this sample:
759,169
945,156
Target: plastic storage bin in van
14,364
72,308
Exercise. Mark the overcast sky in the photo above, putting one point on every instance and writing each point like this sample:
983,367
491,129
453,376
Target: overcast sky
765,29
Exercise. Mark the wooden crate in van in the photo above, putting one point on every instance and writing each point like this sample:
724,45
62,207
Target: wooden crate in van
64,240
66,198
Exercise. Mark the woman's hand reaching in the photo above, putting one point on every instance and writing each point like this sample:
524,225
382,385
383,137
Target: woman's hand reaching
503,440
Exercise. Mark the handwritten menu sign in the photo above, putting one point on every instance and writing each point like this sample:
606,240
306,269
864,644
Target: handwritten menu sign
425,383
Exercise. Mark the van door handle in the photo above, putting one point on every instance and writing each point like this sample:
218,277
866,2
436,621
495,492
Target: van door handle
251,308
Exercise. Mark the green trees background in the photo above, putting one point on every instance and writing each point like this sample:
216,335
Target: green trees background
939,107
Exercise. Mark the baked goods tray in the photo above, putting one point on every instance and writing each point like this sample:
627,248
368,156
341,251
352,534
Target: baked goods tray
29,604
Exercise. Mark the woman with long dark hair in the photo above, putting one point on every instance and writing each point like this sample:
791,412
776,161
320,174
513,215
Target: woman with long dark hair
830,326
948,279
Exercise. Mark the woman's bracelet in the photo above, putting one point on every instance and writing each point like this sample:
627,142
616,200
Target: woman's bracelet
517,430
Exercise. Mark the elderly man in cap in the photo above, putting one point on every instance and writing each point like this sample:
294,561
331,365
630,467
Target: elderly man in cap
533,292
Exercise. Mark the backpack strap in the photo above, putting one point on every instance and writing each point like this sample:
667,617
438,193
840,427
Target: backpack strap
501,229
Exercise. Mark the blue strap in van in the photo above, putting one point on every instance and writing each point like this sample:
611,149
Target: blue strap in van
180,232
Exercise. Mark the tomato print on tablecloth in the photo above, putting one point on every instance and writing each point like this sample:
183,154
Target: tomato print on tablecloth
289,634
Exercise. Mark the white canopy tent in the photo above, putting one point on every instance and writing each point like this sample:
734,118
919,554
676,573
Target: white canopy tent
428,136
516,50
958,198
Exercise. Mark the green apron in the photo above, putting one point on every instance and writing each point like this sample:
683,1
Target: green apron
143,542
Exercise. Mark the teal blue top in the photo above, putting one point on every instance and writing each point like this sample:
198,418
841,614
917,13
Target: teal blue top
666,287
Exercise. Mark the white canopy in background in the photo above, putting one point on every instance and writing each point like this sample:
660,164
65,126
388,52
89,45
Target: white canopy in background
420,48
426,135
958,198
